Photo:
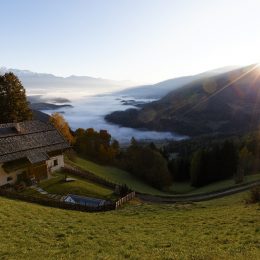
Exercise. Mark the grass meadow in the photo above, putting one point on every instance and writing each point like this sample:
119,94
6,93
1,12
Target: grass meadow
225,228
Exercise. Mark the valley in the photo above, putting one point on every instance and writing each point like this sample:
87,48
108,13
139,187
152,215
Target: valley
89,111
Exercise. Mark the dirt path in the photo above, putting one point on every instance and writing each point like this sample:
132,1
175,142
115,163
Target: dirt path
197,197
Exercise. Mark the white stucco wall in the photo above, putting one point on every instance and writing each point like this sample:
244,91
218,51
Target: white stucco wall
13,175
50,164
60,163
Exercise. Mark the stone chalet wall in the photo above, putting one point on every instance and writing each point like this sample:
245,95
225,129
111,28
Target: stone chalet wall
55,163
12,175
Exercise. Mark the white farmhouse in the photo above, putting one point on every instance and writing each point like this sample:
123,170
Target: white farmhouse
29,150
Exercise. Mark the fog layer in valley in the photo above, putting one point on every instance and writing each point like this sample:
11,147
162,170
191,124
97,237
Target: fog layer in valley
88,100
88,111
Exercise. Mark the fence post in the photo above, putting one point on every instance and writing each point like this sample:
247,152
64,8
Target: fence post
124,199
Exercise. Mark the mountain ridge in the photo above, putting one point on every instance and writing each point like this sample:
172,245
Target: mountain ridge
158,90
33,81
202,106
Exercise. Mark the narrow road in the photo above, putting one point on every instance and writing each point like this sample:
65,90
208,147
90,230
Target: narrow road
197,197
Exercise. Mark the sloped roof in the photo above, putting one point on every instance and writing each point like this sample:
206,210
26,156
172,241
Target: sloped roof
30,139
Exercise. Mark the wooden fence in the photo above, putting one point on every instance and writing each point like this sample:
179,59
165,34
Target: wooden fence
66,205
124,199
55,203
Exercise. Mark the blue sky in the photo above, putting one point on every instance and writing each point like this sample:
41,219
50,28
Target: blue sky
139,40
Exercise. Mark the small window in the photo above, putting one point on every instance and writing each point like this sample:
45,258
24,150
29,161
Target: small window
9,178
55,162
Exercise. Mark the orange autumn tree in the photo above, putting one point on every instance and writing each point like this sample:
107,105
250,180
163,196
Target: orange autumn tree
62,125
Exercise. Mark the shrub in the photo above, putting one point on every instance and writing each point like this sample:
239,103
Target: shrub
254,196
122,190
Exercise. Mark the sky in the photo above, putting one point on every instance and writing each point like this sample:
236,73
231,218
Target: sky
145,41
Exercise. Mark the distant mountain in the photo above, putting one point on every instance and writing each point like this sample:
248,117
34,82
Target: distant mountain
224,103
48,106
42,82
160,89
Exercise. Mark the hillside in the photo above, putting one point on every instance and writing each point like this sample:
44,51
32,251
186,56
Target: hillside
219,229
226,103
157,90
48,106
116,175
160,89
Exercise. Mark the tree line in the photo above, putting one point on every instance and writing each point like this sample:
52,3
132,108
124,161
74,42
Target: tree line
196,162
216,161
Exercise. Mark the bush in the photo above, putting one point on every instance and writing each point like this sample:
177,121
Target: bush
254,196
122,190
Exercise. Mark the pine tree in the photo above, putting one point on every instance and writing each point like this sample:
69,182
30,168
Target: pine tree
245,161
14,106
196,169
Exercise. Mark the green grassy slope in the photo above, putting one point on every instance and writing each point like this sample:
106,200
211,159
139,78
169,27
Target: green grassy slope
116,175
83,187
220,229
